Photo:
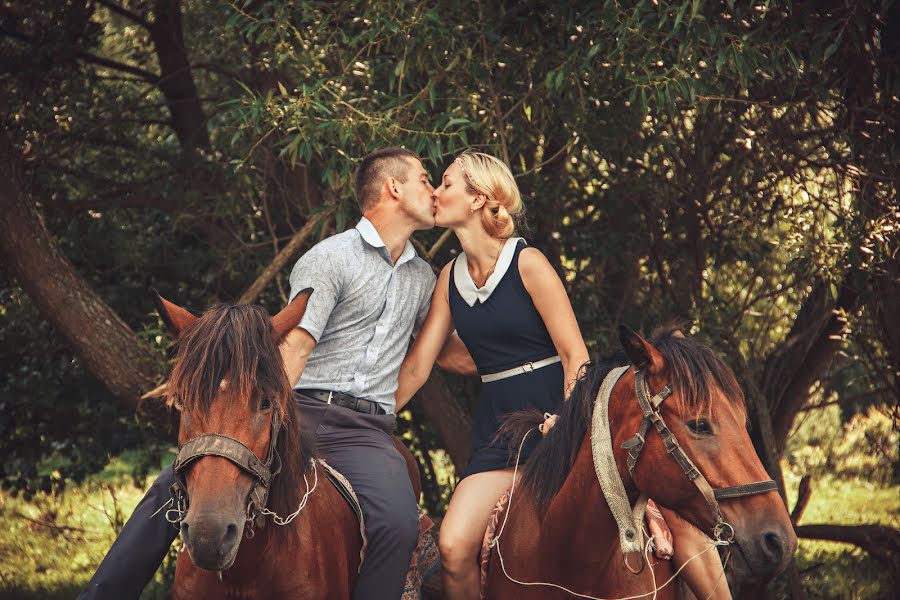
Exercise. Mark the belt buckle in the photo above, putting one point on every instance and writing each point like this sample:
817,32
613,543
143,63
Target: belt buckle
330,396
528,367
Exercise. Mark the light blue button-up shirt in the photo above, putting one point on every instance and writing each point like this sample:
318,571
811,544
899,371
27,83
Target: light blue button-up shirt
363,312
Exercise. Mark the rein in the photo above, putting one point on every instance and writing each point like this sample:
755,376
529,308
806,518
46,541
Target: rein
495,543
628,518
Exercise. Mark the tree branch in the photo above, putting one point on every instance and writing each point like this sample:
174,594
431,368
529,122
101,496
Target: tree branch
283,257
881,541
121,10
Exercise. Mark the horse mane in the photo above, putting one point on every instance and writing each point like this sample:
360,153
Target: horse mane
697,373
236,342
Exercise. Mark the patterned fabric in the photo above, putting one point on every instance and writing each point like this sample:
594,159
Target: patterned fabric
424,558
488,544
362,313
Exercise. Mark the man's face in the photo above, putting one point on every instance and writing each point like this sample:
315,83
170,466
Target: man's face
416,195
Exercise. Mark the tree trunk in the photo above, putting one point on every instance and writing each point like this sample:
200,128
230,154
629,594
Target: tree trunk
108,348
882,542
450,422
176,81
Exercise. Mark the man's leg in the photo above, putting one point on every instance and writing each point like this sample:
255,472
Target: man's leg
359,446
138,550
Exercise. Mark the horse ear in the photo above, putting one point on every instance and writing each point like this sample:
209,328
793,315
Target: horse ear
291,315
177,319
640,352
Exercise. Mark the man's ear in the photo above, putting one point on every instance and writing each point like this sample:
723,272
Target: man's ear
393,187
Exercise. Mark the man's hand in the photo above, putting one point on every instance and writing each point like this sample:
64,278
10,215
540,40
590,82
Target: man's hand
455,358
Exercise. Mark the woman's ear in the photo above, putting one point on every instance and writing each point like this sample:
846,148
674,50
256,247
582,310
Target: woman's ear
479,201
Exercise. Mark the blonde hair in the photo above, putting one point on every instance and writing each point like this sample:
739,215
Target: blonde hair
488,175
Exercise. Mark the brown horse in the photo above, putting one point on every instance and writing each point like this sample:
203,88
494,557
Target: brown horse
560,529
239,426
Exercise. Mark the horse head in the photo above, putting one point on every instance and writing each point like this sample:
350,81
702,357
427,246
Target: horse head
236,407
700,437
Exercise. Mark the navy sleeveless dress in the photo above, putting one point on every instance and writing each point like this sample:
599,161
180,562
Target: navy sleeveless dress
502,329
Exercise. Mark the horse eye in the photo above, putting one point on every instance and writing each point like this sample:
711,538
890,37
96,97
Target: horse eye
700,426
266,404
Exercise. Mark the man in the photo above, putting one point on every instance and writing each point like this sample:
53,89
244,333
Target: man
372,294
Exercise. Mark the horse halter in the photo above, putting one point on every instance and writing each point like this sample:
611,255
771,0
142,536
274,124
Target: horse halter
217,444
723,531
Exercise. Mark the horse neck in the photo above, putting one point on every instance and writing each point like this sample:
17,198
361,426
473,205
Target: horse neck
578,525
579,512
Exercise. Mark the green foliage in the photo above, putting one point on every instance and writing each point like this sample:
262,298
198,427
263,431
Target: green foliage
865,447
722,163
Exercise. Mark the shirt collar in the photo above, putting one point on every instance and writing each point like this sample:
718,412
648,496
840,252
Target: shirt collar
466,287
371,236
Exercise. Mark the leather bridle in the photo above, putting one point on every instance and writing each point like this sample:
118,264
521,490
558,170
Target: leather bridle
722,530
217,444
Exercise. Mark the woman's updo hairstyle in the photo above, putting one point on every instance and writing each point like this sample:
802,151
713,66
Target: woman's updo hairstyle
487,175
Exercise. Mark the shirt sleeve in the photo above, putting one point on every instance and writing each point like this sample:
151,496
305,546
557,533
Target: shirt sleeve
321,270
424,304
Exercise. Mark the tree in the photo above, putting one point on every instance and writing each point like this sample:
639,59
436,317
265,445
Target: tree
729,165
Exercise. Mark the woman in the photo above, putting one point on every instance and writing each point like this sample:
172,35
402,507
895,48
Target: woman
511,310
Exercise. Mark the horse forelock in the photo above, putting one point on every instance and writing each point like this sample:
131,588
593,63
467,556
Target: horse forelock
231,344
699,377
701,380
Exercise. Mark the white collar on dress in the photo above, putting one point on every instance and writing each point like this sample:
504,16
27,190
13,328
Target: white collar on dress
371,236
466,287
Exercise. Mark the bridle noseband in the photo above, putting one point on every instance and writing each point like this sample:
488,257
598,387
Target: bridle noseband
217,444
722,530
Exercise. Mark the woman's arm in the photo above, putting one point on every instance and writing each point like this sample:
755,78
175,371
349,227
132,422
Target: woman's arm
550,299
428,344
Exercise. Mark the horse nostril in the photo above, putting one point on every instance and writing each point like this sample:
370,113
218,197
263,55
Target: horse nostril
774,546
231,534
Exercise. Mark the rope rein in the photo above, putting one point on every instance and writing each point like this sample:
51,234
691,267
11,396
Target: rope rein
282,521
176,515
495,543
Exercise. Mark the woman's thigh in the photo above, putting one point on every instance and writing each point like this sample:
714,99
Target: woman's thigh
471,506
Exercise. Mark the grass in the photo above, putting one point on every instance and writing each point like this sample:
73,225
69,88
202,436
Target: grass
833,570
51,545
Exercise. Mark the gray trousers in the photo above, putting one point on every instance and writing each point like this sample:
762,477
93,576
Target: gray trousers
360,446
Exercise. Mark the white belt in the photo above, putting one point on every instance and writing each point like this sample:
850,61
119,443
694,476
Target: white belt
526,368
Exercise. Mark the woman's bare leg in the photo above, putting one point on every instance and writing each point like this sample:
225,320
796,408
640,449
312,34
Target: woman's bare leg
462,531
704,575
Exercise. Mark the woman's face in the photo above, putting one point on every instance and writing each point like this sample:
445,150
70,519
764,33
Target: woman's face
452,201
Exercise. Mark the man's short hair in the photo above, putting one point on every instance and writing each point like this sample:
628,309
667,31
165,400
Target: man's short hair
375,168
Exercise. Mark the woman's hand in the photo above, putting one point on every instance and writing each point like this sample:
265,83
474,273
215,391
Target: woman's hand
549,422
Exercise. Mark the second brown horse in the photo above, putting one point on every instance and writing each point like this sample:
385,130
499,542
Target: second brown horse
560,529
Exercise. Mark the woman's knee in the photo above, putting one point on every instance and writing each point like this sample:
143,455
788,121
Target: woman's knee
457,551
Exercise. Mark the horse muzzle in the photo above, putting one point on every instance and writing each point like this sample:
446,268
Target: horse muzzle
212,541
767,552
